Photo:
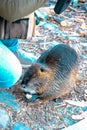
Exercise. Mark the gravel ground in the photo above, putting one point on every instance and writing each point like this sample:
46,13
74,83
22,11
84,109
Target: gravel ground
54,115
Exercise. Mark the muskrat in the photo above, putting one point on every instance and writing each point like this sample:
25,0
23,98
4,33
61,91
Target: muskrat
54,73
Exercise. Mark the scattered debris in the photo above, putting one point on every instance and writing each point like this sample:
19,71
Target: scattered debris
70,28
77,103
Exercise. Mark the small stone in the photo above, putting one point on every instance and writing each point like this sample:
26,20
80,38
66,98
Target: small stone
84,26
85,5
53,121
75,3
41,129
64,23
34,126
86,91
68,15
84,108
4,119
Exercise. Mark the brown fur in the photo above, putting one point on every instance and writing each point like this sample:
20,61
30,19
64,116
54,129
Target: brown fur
54,74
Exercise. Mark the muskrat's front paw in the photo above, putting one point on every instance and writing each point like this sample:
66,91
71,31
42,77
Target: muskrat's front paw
31,98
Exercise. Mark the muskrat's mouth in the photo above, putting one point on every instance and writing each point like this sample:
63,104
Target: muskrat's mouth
30,94
32,97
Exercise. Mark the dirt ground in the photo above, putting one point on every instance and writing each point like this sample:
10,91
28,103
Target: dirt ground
70,28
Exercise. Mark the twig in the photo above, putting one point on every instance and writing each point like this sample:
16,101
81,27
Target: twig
76,10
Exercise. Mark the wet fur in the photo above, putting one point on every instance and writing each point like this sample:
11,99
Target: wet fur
54,74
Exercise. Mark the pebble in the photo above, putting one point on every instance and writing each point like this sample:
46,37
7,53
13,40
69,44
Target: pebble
86,91
53,121
84,108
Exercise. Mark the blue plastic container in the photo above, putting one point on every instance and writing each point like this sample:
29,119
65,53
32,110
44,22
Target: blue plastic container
10,67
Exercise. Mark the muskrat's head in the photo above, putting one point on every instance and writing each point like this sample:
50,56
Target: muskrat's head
36,79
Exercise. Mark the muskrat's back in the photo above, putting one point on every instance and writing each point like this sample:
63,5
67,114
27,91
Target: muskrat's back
54,73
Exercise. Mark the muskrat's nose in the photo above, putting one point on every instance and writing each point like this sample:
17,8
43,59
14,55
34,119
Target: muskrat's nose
23,86
27,89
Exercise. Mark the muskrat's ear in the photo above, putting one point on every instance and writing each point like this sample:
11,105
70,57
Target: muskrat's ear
47,58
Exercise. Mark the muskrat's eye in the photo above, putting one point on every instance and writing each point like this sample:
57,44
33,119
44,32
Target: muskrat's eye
42,70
